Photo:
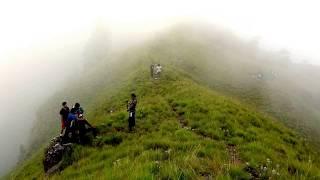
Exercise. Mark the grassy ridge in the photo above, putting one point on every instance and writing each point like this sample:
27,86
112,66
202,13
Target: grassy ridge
230,65
213,58
184,131
186,126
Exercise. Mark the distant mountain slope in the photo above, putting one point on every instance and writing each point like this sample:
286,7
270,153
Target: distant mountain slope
265,79
184,131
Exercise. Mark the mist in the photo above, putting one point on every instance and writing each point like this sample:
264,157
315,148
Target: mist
44,45
26,83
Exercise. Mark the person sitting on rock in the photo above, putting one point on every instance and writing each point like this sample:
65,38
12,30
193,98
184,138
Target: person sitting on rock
72,117
71,127
84,127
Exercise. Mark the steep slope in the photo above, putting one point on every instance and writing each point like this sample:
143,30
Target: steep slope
184,131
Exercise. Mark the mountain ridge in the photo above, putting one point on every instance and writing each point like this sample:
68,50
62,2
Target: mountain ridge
234,138
184,131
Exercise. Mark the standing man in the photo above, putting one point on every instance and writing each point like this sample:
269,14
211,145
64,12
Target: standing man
64,112
132,111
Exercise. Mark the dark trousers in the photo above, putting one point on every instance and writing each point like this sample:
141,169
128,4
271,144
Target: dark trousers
132,120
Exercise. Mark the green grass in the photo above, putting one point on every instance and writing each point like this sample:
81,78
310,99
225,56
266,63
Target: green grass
161,148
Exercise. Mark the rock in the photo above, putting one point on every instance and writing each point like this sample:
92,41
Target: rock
53,156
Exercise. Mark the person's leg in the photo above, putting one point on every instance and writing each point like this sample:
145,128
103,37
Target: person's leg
63,132
133,119
65,137
130,121
62,126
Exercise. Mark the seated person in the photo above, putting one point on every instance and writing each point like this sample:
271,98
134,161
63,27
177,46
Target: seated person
72,118
71,129
84,126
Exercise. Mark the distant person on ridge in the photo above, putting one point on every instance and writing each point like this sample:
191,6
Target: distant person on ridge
64,112
152,70
158,70
132,111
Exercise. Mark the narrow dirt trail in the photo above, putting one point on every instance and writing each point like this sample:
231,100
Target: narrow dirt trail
234,157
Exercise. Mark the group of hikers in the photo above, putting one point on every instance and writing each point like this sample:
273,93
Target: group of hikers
74,126
76,129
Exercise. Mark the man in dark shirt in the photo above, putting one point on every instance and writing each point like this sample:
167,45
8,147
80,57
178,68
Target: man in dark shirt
64,112
132,111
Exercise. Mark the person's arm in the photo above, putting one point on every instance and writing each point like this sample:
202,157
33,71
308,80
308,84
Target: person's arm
81,110
61,114
87,123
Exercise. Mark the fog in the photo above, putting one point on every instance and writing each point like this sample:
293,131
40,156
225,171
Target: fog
42,43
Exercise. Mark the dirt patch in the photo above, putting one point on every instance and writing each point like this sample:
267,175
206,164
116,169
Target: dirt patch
180,117
117,129
233,154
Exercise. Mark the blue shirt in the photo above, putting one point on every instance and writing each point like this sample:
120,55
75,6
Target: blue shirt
71,117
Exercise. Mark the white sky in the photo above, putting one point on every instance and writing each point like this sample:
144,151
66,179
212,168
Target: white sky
290,24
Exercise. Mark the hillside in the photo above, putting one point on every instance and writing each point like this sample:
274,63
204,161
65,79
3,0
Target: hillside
206,117
213,58
225,63
184,131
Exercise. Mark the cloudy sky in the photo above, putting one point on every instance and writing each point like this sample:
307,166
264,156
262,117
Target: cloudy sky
289,24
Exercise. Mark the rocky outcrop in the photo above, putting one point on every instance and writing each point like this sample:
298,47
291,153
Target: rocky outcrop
55,155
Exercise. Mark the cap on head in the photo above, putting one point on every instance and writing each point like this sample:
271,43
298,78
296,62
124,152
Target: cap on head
133,95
